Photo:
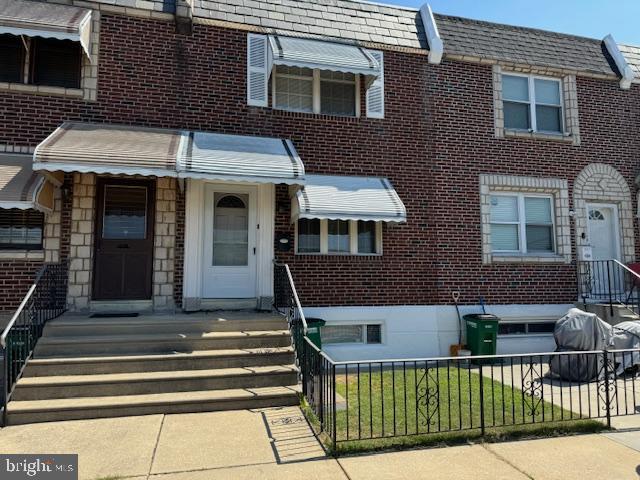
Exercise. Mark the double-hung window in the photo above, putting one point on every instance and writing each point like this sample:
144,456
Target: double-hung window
343,237
315,91
532,103
522,224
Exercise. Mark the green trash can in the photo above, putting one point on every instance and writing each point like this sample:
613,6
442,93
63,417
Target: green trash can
482,332
313,330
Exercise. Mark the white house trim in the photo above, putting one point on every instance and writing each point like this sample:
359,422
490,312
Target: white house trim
436,45
623,67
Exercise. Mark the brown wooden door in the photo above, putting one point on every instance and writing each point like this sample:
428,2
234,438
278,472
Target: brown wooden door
124,239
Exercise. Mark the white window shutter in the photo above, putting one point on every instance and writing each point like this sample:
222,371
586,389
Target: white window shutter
375,93
257,70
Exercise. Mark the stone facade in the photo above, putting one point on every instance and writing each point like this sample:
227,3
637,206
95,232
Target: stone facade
81,241
164,244
599,182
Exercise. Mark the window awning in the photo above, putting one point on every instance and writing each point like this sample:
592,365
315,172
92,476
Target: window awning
21,187
308,53
217,156
39,19
114,149
348,198
127,150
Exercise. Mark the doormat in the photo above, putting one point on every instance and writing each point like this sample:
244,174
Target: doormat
114,315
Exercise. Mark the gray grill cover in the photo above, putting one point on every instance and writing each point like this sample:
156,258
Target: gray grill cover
626,335
582,331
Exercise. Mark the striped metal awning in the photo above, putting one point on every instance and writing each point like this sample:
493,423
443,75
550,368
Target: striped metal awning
348,198
128,150
308,53
21,187
239,158
114,149
39,19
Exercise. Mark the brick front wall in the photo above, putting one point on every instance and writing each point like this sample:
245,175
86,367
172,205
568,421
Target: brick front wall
435,141
461,122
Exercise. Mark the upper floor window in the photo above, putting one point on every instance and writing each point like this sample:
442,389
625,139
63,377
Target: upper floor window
315,91
40,61
21,229
314,76
522,224
532,103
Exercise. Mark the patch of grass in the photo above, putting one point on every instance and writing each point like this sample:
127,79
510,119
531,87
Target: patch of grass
407,407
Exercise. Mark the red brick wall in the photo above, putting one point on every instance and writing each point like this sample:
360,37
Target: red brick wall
436,139
461,121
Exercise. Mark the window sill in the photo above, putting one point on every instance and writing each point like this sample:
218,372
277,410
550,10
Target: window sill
527,258
21,254
42,89
335,254
322,116
556,137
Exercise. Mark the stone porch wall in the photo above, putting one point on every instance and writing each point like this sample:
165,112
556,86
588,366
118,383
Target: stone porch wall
81,241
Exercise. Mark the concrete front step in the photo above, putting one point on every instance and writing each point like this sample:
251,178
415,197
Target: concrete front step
196,360
73,346
105,385
21,412
74,325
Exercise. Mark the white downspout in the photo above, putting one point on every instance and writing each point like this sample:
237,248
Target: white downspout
436,45
623,67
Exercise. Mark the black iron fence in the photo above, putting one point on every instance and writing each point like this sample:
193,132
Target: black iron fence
368,400
45,300
609,282
371,400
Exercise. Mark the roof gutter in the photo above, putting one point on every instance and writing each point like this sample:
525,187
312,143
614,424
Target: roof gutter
621,63
436,45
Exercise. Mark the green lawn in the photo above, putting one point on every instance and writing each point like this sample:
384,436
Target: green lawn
440,403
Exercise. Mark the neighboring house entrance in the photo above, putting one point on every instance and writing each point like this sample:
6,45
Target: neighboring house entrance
604,236
124,239
229,269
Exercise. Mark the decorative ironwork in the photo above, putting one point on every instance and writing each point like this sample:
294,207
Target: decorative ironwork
533,388
428,397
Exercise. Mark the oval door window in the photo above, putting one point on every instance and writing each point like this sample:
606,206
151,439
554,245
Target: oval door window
230,230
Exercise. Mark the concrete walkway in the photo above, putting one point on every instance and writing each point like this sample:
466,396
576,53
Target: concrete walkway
278,444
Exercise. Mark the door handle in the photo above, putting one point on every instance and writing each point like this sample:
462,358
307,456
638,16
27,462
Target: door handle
123,245
254,250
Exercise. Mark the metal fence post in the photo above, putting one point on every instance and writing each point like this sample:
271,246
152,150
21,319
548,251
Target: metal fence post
609,263
5,383
482,429
607,393
304,367
334,434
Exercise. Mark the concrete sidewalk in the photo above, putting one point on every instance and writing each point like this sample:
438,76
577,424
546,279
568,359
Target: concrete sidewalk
278,444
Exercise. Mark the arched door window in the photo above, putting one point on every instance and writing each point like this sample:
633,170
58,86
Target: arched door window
230,230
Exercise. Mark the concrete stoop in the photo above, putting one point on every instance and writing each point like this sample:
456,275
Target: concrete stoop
107,367
620,313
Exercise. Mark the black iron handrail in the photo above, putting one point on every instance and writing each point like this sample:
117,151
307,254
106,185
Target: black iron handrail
44,301
286,301
609,282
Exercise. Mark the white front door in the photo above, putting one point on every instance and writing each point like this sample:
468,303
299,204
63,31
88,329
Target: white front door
229,269
603,231
603,228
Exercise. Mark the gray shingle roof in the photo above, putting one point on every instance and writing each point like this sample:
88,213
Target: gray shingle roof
522,45
342,19
631,54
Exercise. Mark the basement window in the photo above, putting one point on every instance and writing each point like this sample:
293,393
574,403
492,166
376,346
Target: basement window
363,334
534,327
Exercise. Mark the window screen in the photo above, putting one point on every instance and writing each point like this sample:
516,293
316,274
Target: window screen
21,229
366,237
337,93
56,63
294,88
125,212
339,241
11,58
308,235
